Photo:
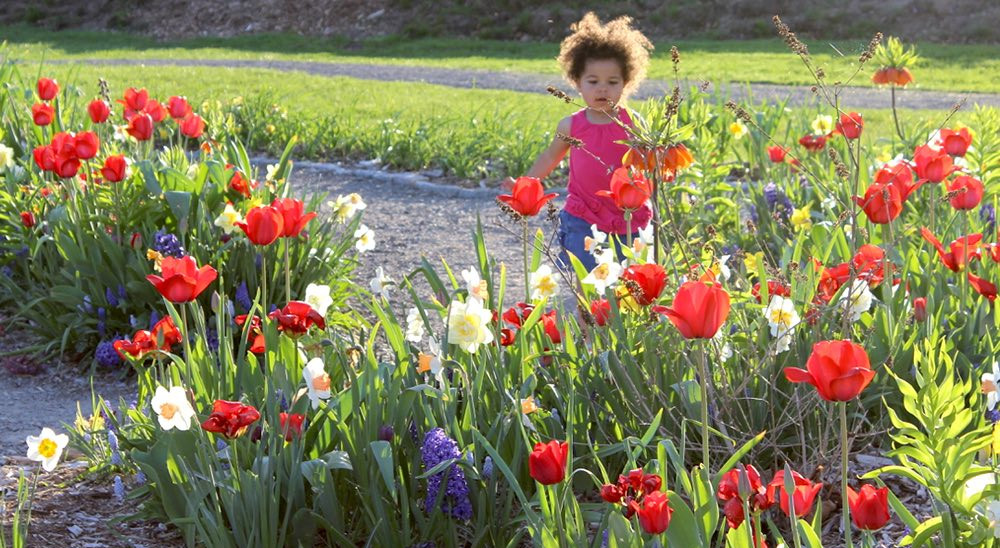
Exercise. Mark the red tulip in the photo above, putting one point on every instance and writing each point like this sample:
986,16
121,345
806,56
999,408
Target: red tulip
291,425
676,157
882,203
296,318
140,126
47,89
698,310
506,337
254,334
66,166
135,100
777,154
45,157
955,143
600,309
551,326
920,309
99,111
839,370
163,336
899,175
27,219
42,114
165,333
527,196
135,241
650,279
932,165
612,493
961,251
969,192
293,217
115,168
547,462
629,192
230,418
192,126
263,225
774,287
983,287
813,143
654,514
178,107
155,110
515,315
869,507
803,495
86,145
729,493
850,125
182,281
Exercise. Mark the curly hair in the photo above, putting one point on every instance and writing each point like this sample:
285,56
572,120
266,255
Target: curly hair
614,40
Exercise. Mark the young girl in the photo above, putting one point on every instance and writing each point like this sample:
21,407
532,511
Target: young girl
605,63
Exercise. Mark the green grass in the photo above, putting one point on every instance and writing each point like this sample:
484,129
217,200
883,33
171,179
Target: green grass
469,133
943,67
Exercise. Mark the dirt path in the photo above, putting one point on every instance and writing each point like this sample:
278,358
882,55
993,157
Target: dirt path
853,97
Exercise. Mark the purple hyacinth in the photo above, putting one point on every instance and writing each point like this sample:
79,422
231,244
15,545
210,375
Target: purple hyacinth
988,215
106,354
993,415
167,244
110,297
102,316
119,489
437,448
243,297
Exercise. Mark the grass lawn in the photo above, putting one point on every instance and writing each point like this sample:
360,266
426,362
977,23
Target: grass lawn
943,67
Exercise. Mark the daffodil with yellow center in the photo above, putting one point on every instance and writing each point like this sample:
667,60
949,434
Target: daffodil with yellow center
228,218
822,124
469,325
543,283
801,219
528,405
738,130
154,255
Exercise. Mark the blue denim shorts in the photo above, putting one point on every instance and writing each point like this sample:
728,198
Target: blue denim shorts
572,232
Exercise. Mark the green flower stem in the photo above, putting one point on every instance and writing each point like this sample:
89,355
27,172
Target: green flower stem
844,450
288,275
887,276
628,228
703,376
186,339
527,275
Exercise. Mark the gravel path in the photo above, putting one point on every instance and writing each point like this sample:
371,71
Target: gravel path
854,97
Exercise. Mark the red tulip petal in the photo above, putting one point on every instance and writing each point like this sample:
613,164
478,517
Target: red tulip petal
794,374
849,386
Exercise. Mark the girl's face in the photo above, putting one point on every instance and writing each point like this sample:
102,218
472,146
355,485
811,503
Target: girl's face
601,83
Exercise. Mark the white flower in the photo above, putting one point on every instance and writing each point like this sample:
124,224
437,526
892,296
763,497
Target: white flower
366,239
475,284
346,206
271,169
414,326
782,318
604,275
543,283
822,124
6,157
725,349
172,408
380,284
738,130
990,381
46,448
993,514
228,218
643,244
120,134
318,297
431,363
596,238
856,299
724,268
469,325
317,381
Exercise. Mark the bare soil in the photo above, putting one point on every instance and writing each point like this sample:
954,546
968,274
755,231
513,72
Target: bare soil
955,21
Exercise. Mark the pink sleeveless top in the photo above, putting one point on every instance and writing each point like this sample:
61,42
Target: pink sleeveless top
587,175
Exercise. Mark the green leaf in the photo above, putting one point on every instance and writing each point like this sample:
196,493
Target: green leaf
383,456
683,530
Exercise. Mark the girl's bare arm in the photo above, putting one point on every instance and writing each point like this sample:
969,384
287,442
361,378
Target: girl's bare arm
551,156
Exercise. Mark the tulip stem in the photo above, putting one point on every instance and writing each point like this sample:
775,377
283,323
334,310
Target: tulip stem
895,118
263,285
527,275
288,275
703,377
628,228
887,276
844,450
187,345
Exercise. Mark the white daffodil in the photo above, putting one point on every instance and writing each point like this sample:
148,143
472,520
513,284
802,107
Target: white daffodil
6,157
228,218
120,134
543,283
643,244
431,363
595,240
604,275
381,284
172,408
782,318
856,300
346,206
738,130
46,448
822,124
365,239
990,388
475,284
723,268
270,170
469,325
318,297
414,326
993,514
725,349
317,381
